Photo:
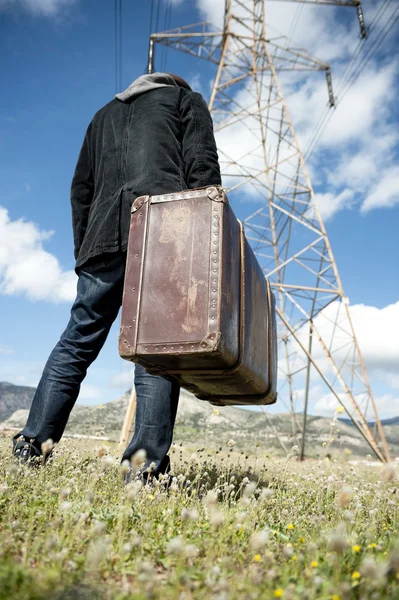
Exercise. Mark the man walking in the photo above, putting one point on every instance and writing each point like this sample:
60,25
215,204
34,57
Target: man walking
156,137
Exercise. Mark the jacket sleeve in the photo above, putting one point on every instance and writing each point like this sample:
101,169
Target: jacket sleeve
82,193
200,156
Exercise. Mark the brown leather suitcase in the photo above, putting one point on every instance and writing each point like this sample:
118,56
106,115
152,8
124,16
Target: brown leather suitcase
196,304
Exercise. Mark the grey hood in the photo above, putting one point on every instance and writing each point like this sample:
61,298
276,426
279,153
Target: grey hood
145,83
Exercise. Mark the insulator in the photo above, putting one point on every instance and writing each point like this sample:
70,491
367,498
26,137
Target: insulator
330,88
360,15
150,65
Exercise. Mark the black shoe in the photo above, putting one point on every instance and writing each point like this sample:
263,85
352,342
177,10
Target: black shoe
27,453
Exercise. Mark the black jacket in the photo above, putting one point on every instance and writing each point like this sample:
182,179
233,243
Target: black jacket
161,141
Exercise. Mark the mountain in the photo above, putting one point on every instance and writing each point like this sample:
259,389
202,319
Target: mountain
14,397
198,424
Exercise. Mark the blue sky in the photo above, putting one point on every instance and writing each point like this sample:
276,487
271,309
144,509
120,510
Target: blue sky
59,69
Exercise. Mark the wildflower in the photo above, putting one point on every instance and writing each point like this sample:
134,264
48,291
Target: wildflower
291,526
47,447
194,458
355,575
189,515
97,552
259,539
278,593
340,409
216,518
99,527
372,545
345,496
369,568
211,498
288,550
139,458
65,492
216,412
337,540
125,467
231,443
250,489
65,506
107,461
101,451
314,564
133,489
356,548
388,472
191,551
175,546
257,558
266,493
335,597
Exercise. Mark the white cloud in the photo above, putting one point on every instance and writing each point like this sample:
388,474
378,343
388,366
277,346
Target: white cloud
26,268
385,193
89,392
377,331
6,350
387,405
38,7
360,138
330,203
123,379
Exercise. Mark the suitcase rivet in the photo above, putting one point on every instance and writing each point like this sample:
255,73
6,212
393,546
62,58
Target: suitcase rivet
215,209
214,260
164,347
164,197
198,193
214,252
213,290
203,345
214,243
213,318
134,288
214,270
192,345
172,197
158,198
171,348
137,255
130,326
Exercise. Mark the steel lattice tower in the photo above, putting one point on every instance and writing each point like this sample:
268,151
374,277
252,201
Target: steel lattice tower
261,160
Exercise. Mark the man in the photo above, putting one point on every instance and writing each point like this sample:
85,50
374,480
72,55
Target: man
155,137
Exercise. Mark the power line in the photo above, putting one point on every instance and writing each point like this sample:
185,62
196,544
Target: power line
118,44
353,70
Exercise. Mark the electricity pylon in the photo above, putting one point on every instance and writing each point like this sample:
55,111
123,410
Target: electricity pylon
262,163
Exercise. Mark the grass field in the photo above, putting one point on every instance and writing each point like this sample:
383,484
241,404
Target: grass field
246,527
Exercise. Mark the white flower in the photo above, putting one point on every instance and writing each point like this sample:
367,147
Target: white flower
125,467
345,496
139,458
231,443
175,546
191,551
216,518
259,540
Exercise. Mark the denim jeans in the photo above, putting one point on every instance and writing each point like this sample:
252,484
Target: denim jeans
99,297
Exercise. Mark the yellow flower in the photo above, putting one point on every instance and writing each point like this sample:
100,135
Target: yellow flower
294,557
278,593
302,540
355,575
314,564
335,597
356,548
291,527
257,557
373,545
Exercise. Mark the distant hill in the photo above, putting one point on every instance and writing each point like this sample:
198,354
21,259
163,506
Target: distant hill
14,397
198,424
